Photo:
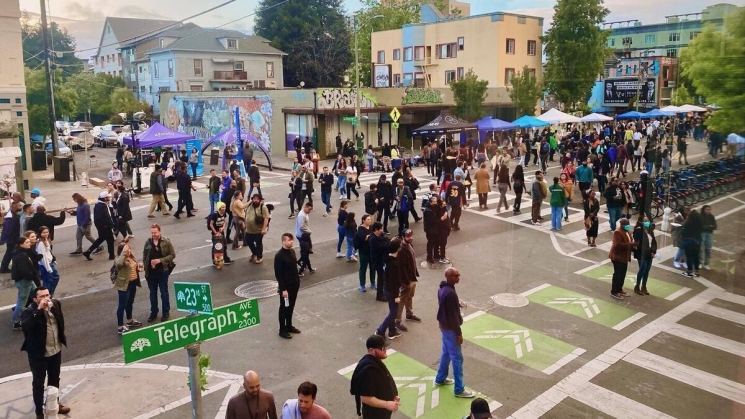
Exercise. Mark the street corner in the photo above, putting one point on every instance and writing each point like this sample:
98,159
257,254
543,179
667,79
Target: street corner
668,289
113,391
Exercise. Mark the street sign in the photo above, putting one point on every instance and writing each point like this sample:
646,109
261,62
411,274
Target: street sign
394,125
395,114
193,297
349,119
176,334
354,123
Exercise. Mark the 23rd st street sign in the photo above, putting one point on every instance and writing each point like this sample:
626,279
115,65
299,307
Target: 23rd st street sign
176,334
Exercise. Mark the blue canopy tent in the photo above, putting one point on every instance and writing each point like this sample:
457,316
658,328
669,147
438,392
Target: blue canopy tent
231,136
630,115
487,124
656,113
527,121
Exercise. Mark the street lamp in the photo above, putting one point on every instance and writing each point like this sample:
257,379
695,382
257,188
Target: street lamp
357,28
137,117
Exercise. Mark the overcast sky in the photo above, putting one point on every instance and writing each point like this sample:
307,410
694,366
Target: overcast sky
84,18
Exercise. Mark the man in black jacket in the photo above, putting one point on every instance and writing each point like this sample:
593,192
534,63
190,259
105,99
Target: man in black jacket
184,187
11,233
298,145
286,273
372,385
44,333
42,219
104,225
385,201
123,213
339,144
379,245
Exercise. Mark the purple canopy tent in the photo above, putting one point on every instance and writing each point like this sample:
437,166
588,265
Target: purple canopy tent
157,136
231,136
488,124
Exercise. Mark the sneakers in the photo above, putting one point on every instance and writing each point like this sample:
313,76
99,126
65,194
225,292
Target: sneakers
363,289
465,394
382,335
444,260
352,259
17,326
325,214
258,261
414,318
617,296
677,264
122,330
312,270
76,253
687,274
447,382
394,335
252,258
536,223
339,255
291,216
373,287
401,327
152,317
707,267
97,251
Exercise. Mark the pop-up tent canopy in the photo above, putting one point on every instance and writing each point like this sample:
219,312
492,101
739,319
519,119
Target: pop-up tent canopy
555,116
488,123
631,115
691,108
657,113
595,117
231,136
445,123
671,109
157,136
527,121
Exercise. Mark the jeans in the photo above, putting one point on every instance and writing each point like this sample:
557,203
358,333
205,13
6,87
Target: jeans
451,352
214,199
352,189
679,254
41,367
341,184
615,214
390,320
326,199
255,242
285,313
619,276
707,241
126,300
403,221
350,247
342,233
503,196
49,279
369,165
645,265
158,280
193,169
25,286
693,254
557,213
384,213
364,267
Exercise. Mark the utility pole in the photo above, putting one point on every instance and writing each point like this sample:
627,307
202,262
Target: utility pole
48,72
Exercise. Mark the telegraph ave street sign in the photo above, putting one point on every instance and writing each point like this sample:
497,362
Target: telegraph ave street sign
176,334
193,297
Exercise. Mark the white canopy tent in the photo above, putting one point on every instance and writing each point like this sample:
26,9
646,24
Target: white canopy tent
671,108
691,108
555,116
595,117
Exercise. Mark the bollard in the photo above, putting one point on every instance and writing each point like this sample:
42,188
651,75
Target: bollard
666,219
84,179
51,405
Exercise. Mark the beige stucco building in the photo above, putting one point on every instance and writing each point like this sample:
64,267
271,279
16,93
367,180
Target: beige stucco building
13,88
443,48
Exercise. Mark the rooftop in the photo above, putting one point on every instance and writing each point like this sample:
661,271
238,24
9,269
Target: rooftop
208,40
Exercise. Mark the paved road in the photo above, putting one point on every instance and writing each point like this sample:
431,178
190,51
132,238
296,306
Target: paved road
571,352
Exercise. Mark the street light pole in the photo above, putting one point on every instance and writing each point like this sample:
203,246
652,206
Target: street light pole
357,75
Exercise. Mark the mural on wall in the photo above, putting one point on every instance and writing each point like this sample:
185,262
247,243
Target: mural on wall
344,99
205,117
421,95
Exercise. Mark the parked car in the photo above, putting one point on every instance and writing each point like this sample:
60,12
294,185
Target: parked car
76,144
96,131
113,127
107,139
64,150
61,125
82,125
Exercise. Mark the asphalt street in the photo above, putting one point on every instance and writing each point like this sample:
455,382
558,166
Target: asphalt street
572,351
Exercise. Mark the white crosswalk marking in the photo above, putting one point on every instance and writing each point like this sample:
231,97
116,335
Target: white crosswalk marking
614,404
518,337
587,304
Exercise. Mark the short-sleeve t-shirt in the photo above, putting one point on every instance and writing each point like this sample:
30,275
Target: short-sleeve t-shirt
219,220
317,412
455,194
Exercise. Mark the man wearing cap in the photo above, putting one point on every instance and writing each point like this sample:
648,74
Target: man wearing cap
104,225
372,386
479,410
37,198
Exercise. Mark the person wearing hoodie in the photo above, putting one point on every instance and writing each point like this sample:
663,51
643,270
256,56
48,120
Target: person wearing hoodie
41,219
644,253
450,319
385,196
584,176
104,225
709,224
304,407
25,275
392,290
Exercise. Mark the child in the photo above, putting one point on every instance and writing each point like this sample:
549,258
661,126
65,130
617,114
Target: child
306,249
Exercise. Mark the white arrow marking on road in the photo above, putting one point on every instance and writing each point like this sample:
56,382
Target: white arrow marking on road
435,398
586,303
420,401
516,337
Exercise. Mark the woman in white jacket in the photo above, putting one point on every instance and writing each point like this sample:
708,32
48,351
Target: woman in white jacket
47,263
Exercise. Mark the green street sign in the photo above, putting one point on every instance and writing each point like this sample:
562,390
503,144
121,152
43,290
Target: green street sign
349,118
394,125
354,123
169,336
193,297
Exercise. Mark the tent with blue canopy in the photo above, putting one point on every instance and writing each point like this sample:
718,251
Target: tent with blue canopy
656,113
630,115
527,121
158,136
231,136
488,123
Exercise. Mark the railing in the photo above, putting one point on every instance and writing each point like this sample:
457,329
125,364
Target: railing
231,75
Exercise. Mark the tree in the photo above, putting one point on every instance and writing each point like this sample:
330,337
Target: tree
576,50
469,94
124,101
382,16
525,91
681,96
714,64
62,43
65,99
94,92
287,24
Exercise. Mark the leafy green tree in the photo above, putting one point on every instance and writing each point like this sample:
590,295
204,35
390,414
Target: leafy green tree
310,32
469,94
124,101
65,100
94,92
61,42
714,64
576,50
681,96
525,92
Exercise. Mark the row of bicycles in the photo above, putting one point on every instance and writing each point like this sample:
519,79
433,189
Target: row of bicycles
694,184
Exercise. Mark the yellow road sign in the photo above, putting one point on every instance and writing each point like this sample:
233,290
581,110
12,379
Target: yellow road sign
395,114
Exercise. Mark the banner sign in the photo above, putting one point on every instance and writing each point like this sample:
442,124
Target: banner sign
621,91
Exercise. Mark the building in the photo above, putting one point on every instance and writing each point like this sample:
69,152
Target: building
13,108
442,49
117,32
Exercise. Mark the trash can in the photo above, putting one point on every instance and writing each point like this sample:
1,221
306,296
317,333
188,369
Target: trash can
38,160
61,168
214,156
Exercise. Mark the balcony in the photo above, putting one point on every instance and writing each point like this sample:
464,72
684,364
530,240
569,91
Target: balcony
230,75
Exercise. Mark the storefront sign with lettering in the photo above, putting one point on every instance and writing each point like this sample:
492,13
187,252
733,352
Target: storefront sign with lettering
421,95
343,99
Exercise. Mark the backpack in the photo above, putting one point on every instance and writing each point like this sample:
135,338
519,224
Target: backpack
544,148
113,273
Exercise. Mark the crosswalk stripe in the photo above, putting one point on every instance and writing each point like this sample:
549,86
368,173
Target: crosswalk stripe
614,404
723,313
704,338
688,375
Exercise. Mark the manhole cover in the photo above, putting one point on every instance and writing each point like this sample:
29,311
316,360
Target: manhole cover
510,300
257,289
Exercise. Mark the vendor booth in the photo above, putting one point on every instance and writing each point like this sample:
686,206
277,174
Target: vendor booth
157,136
231,137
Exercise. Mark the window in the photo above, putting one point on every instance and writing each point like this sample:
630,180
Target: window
461,43
521,19
531,71
693,35
18,101
198,68
142,89
232,44
447,50
672,53
19,114
509,73
396,79
611,42
449,76
156,69
196,88
238,66
665,72
408,54
170,68
161,42
674,37
418,53
381,57
396,54
134,89
3,100
510,46
408,76
270,70
650,39
164,89
531,47
461,73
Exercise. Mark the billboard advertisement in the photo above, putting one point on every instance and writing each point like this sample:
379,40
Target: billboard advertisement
381,75
621,91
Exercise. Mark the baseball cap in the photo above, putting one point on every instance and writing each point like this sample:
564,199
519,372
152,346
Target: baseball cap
103,195
376,342
35,191
480,409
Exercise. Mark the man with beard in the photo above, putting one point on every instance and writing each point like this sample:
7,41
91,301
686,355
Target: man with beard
253,403
257,222
304,407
